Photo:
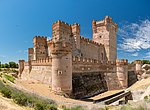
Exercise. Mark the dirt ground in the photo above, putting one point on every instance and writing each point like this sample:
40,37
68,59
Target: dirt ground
45,90
8,104
143,84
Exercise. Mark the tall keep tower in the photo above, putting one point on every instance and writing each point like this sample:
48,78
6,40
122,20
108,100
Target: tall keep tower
40,47
104,32
61,31
61,52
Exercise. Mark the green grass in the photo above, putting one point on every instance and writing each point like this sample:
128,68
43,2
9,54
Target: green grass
5,92
31,100
10,78
26,99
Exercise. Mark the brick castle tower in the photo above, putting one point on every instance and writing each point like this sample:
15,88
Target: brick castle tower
104,32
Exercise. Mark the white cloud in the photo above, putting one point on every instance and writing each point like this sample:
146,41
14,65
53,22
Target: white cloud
135,54
135,36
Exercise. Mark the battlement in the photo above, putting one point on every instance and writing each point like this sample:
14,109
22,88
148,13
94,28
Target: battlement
37,39
61,24
79,60
44,61
121,62
107,20
138,62
75,28
60,47
90,41
21,61
75,24
40,37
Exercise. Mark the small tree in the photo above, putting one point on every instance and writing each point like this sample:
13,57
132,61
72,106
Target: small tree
13,65
146,61
2,65
7,65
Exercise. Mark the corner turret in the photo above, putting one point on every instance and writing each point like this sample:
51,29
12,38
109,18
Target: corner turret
61,67
122,72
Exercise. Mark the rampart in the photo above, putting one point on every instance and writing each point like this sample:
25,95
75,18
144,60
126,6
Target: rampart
91,65
77,64
42,62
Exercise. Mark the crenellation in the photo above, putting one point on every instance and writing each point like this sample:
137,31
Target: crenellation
68,53
44,61
120,62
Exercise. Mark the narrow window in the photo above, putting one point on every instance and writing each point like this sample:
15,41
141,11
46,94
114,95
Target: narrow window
102,56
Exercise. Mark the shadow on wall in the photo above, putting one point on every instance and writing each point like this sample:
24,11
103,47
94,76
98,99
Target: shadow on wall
83,88
132,78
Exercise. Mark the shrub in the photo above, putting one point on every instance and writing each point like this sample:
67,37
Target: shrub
146,98
4,81
51,107
6,92
26,99
77,108
30,101
10,78
39,106
19,98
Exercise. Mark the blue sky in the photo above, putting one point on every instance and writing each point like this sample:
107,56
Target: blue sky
21,20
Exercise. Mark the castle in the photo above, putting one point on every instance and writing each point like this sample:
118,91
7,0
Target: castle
72,64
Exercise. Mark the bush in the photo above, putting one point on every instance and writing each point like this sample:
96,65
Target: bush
26,99
6,92
19,98
146,98
39,106
10,78
30,101
51,107
77,108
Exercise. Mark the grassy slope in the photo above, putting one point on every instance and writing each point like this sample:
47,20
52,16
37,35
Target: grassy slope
8,104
